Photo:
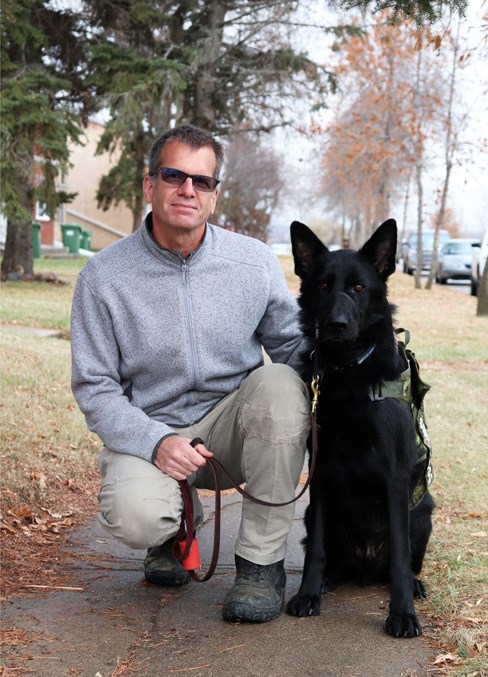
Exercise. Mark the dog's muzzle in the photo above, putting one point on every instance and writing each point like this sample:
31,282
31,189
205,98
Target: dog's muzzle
341,323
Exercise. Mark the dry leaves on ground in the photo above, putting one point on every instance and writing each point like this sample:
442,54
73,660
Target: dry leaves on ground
34,538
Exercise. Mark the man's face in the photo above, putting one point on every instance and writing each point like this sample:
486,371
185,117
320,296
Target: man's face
179,209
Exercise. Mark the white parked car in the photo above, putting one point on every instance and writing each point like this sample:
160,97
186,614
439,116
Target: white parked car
478,264
455,259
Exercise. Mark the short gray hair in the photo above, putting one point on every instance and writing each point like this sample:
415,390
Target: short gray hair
191,136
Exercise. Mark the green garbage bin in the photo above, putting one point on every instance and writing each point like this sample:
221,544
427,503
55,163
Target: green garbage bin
36,239
72,234
86,238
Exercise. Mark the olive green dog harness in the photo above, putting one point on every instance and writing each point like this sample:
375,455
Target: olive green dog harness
410,389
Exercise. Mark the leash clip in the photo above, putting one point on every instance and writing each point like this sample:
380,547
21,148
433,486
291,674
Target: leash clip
316,393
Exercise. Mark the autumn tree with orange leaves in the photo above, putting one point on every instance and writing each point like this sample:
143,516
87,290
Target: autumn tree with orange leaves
383,119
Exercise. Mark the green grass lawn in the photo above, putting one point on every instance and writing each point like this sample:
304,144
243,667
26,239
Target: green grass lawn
42,304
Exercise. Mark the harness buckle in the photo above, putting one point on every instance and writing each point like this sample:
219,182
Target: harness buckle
316,393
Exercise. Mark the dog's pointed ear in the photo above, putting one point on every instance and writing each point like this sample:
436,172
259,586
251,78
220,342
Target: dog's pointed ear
381,247
305,247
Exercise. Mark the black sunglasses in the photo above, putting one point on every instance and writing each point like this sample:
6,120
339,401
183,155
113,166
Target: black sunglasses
175,177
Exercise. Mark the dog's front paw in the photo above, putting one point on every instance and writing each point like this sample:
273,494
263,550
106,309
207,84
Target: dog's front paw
304,605
419,591
403,625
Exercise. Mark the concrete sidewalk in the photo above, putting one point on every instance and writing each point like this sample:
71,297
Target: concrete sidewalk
117,626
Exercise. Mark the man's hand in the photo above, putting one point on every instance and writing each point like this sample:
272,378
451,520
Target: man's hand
176,457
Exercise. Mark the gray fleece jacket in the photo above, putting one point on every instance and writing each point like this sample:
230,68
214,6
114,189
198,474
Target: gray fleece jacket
157,340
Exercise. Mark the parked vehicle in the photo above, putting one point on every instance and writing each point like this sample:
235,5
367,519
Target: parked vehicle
410,249
401,249
455,260
478,263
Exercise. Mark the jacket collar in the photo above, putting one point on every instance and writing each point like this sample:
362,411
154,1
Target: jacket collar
145,232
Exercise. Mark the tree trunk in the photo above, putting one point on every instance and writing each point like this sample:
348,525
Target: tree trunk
420,193
450,149
419,171
205,81
384,186
405,210
137,215
482,308
438,225
138,203
18,256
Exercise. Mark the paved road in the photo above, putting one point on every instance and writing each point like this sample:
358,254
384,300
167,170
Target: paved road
116,626
459,286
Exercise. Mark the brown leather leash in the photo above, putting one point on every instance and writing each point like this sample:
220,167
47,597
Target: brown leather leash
184,540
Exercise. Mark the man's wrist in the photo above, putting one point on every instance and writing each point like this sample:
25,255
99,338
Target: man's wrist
155,451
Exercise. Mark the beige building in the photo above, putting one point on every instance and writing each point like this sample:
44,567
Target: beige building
83,178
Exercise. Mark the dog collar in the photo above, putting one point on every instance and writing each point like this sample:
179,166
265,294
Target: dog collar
319,372
365,356
356,362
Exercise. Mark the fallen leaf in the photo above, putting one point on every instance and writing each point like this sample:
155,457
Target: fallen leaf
39,477
22,512
446,658
56,515
7,527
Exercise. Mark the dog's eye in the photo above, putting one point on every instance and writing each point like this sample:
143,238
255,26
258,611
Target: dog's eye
358,288
323,285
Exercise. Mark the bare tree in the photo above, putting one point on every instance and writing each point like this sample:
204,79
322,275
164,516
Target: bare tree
251,187
451,144
374,140
419,141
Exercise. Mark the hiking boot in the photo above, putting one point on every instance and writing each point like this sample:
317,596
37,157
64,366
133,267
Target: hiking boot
258,592
162,568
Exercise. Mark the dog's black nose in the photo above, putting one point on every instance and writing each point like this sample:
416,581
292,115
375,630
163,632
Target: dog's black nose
338,324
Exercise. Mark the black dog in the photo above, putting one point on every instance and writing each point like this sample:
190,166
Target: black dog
360,523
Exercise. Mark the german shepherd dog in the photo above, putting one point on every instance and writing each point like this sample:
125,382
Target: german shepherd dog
359,525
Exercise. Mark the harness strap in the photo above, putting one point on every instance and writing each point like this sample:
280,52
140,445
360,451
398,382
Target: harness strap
410,389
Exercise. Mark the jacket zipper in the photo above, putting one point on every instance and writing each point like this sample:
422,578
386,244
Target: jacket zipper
191,337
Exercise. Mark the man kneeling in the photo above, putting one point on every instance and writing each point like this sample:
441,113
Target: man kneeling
167,331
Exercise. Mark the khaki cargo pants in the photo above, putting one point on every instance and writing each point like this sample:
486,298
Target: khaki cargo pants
259,433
